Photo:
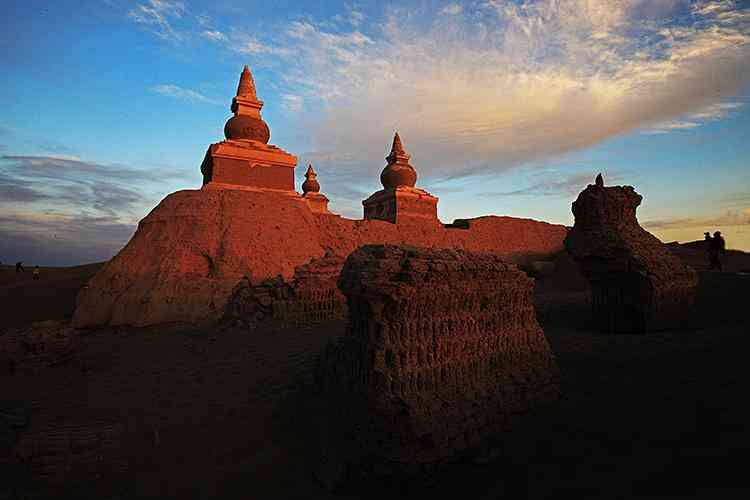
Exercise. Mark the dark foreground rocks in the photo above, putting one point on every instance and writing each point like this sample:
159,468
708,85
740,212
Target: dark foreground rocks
30,348
442,351
637,284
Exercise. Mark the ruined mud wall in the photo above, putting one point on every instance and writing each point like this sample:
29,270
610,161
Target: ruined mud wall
442,350
192,250
311,295
637,284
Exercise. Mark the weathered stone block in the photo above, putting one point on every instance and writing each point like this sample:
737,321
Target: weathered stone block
442,350
637,284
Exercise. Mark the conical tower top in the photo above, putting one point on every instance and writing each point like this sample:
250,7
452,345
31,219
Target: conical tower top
398,172
398,153
247,122
311,184
246,87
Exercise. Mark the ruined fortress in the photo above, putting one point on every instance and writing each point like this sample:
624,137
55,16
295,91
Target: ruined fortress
199,250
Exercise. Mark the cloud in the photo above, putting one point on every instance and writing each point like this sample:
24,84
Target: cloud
184,94
59,239
555,183
291,102
246,44
157,15
64,210
452,9
216,36
711,113
505,84
728,218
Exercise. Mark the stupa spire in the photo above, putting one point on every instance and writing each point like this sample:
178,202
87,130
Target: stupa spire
247,122
398,153
311,184
246,87
398,172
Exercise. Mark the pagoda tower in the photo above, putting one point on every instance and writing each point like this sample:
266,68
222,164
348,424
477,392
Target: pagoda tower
400,200
245,160
317,202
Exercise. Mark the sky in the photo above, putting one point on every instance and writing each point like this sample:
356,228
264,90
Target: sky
508,107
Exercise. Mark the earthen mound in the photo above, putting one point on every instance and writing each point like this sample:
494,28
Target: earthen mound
195,247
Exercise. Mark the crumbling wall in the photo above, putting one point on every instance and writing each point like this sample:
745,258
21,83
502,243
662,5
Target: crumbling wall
637,284
442,350
311,295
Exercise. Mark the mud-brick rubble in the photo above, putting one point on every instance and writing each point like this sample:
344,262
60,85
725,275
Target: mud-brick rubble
442,350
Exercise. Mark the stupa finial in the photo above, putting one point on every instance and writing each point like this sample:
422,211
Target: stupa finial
311,184
398,153
246,87
398,172
247,122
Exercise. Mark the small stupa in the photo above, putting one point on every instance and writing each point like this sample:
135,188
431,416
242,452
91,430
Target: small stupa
400,200
245,160
317,202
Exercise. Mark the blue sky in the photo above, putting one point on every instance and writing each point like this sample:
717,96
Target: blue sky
507,107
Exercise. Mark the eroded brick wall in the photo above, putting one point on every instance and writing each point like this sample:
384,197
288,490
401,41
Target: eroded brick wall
311,295
442,349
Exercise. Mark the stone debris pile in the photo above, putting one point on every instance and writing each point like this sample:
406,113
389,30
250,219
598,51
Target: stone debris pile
637,284
311,295
45,343
442,350
68,453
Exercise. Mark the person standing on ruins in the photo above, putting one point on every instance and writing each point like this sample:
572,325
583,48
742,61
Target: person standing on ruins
19,267
36,272
716,249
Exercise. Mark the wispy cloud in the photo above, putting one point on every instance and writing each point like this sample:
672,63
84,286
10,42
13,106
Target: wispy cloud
452,9
216,36
291,102
157,15
184,94
556,183
711,113
65,210
503,84
728,218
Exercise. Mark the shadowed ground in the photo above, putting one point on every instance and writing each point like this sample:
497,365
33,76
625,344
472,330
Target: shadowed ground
226,414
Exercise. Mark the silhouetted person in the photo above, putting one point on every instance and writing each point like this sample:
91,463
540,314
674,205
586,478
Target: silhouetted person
707,239
36,272
717,249
599,180
19,267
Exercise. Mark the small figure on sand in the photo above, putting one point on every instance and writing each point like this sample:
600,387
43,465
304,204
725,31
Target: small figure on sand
716,249
36,272
19,267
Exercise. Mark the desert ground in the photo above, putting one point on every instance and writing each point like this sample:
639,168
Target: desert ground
227,413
